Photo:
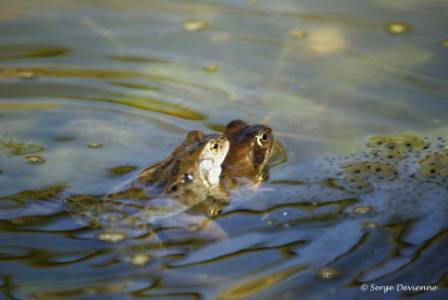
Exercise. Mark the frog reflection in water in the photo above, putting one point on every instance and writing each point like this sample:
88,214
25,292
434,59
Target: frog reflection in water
251,147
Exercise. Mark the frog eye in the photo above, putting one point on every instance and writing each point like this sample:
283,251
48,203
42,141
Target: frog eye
214,147
262,138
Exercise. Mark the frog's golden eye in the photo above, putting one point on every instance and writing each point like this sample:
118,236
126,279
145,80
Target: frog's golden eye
214,147
262,138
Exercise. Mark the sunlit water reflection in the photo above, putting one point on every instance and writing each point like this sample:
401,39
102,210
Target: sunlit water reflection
92,93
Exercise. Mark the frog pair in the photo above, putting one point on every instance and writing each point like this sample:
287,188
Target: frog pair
201,161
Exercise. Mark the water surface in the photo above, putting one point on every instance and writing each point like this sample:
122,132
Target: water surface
91,92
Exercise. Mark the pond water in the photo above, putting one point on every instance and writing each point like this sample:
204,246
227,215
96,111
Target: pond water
92,92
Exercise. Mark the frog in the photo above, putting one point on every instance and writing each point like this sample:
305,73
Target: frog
182,190
191,172
251,147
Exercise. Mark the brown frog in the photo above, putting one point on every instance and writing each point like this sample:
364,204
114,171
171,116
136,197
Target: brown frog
251,147
173,190
190,173
197,160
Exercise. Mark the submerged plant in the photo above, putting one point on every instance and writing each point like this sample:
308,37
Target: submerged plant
19,148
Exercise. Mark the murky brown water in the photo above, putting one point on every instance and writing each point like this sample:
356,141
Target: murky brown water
92,92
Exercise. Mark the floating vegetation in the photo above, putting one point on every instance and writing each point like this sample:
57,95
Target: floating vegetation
95,145
251,287
112,236
398,28
84,203
370,225
120,170
164,106
297,33
28,220
34,159
28,106
216,127
210,68
139,259
195,25
136,86
362,210
42,194
27,74
328,273
19,148
74,72
137,59
30,51
445,43
131,193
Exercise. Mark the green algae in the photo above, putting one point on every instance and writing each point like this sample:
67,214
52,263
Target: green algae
39,194
21,148
120,170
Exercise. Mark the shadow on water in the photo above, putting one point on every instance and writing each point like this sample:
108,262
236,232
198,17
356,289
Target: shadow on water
92,93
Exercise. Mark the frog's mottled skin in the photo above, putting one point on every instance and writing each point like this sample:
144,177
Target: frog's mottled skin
197,160
190,173
251,147
187,180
